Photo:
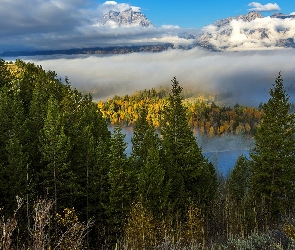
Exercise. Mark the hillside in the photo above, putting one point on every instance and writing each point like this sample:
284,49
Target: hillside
66,181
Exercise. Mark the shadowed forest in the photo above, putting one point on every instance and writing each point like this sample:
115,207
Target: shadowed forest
67,183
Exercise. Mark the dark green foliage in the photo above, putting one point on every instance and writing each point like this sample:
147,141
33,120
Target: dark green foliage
119,176
274,156
151,186
55,143
239,180
139,146
13,159
54,148
5,76
187,172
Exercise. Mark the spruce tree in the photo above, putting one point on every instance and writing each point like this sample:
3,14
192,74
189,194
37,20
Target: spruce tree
187,171
5,75
119,182
54,147
139,147
152,192
238,184
273,156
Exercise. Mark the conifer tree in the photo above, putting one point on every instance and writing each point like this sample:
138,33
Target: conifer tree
139,148
54,147
151,186
273,156
240,216
187,171
5,75
119,182
238,184
13,159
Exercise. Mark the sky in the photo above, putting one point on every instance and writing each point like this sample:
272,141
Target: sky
64,24
197,14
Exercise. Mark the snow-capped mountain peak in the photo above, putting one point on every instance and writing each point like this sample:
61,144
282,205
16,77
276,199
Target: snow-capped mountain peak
128,17
250,32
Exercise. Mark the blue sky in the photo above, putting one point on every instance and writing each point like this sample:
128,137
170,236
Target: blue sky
196,14
65,24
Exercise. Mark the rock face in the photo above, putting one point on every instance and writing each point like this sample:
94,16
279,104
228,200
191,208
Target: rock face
127,17
246,18
249,32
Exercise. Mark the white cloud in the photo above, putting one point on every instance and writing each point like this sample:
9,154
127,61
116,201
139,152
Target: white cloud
292,14
170,26
65,24
114,6
264,8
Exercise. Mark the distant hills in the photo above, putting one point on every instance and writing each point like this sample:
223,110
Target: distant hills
243,32
96,50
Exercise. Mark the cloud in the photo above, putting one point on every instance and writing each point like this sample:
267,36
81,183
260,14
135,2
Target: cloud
264,8
245,76
170,26
65,24
259,34
114,6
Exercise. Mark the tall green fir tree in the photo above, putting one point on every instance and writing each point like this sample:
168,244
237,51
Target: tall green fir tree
55,178
139,147
120,194
273,156
188,173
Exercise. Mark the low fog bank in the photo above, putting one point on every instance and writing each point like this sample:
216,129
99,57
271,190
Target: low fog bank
245,77
224,143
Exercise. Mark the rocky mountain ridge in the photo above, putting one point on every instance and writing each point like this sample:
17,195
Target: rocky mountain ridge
249,32
127,17
246,18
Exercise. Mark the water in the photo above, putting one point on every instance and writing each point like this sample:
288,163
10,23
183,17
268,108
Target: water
222,152
224,161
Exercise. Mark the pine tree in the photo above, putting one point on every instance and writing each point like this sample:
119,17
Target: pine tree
13,159
5,75
240,213
274,155
54,147
238,184
152,192
119,182
139,148
187,172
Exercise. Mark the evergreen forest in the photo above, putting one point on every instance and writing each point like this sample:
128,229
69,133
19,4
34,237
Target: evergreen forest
66,181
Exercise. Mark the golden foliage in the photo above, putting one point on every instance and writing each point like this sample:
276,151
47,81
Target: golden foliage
140,229
204,116
289,230
72,231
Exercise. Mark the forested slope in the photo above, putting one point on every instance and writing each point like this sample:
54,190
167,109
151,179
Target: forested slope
66,182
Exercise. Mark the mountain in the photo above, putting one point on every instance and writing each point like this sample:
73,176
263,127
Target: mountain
126,17
282,16
90,51
249,32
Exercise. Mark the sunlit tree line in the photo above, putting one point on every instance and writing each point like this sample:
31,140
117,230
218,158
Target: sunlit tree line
66,181
204,116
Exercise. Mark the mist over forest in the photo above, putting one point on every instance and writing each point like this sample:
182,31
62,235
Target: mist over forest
245,77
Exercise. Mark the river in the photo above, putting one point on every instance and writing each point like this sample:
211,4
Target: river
222,151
